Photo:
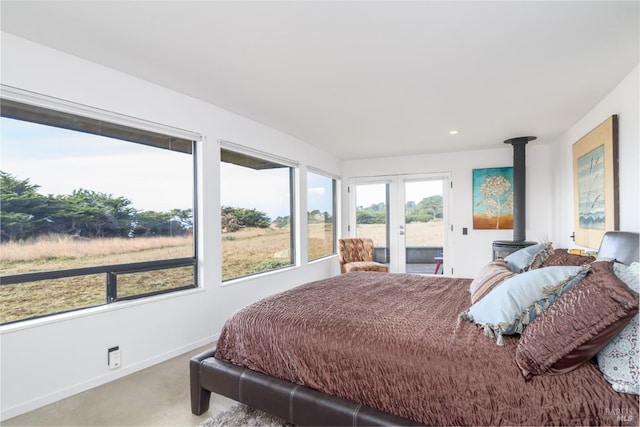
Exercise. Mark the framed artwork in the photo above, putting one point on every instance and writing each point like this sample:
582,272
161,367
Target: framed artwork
595,183
493,198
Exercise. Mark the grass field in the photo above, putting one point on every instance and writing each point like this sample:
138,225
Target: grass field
244,252
59,252
252,250
416,234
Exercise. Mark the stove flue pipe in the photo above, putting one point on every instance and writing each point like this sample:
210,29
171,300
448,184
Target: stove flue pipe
519,186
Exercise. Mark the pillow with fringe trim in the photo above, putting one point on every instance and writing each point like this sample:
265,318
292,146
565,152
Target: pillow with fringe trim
510,307
489,277
577,326
529,258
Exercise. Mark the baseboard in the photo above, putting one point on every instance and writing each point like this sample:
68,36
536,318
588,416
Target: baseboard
14,411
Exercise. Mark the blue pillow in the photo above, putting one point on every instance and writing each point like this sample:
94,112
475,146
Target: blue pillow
508,308
529,258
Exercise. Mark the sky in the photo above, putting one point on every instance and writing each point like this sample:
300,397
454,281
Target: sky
267,190
60,161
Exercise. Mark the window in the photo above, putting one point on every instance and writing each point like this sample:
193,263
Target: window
321,214
257,213
92,212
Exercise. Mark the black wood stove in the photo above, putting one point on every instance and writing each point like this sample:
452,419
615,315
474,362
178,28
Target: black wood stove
502,248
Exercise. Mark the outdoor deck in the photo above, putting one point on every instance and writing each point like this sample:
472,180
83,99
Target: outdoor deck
423,269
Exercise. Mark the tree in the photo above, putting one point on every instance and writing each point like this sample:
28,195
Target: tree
229,221
25,213
93,214
252,217
428,209
22,209
282,222
151,223
370,217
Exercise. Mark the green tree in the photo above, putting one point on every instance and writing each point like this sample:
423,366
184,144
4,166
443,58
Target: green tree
93,214
251,217
23,211
367,216
151,223
428,209
282,222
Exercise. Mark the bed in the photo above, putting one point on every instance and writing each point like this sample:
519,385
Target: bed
372,348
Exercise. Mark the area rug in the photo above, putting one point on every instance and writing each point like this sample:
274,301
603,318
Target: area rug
244,416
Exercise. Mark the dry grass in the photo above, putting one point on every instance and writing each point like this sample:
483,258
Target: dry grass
417,234
320,240
56,252
252,250
26,300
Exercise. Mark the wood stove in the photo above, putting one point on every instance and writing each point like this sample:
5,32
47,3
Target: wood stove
502,248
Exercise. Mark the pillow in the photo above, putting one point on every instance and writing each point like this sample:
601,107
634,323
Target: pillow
578,325
529,258
563,257
618,361
508,308
489,277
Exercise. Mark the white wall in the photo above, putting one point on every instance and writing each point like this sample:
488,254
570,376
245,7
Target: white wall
468,254
623,100
48,359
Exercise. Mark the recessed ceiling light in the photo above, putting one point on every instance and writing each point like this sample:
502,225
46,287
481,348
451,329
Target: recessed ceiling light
453,132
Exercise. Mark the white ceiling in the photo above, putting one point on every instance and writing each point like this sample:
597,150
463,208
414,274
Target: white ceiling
362,79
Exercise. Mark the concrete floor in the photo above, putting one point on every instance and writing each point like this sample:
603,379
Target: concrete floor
156,396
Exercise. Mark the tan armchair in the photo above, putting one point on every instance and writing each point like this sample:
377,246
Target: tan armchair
357,255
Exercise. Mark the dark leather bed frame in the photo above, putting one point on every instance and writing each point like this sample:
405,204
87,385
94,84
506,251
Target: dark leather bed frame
301,405
297,404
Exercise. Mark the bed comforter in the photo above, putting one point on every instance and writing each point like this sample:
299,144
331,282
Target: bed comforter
395,342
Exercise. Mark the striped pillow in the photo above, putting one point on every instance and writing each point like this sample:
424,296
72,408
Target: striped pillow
489,277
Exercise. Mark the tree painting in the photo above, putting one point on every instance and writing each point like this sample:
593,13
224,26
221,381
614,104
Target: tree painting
493,198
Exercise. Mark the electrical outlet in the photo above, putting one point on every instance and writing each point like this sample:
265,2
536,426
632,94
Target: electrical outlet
113,357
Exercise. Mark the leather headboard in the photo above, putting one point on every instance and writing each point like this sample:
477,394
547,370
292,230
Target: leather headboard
620,245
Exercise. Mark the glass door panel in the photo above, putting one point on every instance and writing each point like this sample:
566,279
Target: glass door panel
424,229
372,217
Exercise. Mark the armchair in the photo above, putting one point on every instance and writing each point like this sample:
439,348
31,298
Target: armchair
356,254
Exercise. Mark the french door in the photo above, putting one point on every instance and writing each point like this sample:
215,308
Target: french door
407,218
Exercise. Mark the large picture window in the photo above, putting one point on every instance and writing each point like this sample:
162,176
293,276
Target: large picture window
321,214
92,212
257,213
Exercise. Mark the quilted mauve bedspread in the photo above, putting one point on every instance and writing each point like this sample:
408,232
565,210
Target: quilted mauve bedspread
394,342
